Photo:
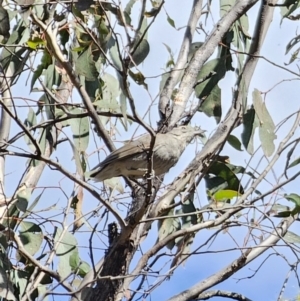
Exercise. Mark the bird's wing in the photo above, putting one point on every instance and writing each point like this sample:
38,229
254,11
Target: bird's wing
124,152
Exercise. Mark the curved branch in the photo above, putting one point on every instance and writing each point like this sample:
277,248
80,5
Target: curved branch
221,293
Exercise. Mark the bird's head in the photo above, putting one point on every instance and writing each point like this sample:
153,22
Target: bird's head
187,131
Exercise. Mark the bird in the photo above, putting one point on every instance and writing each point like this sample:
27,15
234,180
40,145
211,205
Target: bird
130,160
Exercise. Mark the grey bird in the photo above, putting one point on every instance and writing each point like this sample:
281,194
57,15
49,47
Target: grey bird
130,160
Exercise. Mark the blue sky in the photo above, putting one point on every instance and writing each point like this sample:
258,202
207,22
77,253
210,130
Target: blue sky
281,101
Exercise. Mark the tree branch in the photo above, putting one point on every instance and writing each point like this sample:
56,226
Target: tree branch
237,264
202,54
172,80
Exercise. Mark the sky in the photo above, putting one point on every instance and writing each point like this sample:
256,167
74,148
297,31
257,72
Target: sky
281,101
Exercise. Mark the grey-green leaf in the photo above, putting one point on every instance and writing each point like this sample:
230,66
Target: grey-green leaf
234,142
65,247
266,124
291,237
80,129
211,106
86,66
209,76
31,236
168,226
140,53
250,123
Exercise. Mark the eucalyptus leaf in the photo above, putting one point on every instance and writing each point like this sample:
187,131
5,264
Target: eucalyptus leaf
65,245
31,236
80,129
266,125
86,66
250,123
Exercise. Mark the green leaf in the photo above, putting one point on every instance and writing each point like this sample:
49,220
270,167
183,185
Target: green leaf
250,123
290,7
140,53
184,243
52,78
283,214
20,279
66,245
114,54
243,26
211,106
10,56
80,129
108,96
74,260
293,197
86,66
278,210
168,226
127,11
266,127
83,269
31,236
78,49
84,4
188,207
279,207
42,140
78,266
291,237
25,36
225,6
36,43
23,197
32,205
214,184
186,220
225,175
103,29
225,194
171,21
234,142
224,52
215,71
91,88
294,163
31,118
183,249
